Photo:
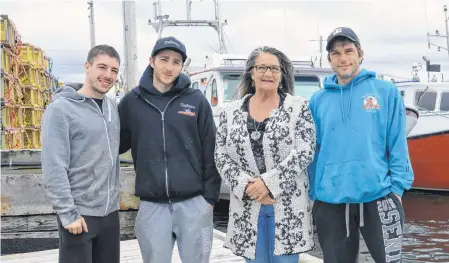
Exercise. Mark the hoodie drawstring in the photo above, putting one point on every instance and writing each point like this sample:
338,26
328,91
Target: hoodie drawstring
350,104
362,219
347,219
342,107
350,100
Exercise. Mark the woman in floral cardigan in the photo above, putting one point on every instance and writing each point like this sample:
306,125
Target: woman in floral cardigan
264,143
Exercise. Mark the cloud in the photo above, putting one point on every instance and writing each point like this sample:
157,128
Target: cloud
393,33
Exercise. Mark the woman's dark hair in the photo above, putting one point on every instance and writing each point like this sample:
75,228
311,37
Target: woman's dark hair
287,78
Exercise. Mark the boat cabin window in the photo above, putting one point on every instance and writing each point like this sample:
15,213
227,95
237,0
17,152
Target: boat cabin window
214,94
305,86
425,100
195,85
444,104
230,85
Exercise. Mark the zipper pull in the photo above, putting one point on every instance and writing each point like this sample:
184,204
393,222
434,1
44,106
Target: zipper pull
162,114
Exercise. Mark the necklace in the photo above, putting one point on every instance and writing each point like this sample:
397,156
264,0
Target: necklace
255,135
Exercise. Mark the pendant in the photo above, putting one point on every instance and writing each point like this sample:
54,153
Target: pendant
255,135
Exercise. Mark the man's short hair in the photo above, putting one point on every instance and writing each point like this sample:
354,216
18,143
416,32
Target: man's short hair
102,50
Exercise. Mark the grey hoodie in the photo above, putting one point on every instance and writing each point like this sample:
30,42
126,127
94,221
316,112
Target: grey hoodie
80,159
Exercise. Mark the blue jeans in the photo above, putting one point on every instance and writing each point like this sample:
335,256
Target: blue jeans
265,240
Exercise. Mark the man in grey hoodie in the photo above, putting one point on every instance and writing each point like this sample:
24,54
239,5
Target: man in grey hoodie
80,162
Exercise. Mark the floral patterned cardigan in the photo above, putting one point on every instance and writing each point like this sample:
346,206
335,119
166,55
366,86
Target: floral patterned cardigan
289,147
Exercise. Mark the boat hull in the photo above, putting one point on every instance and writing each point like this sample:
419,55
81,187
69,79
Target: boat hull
429,155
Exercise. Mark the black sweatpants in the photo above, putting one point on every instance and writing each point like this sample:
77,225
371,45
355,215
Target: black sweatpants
380,221
101,244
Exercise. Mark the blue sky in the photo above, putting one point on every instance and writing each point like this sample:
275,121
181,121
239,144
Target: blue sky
393,33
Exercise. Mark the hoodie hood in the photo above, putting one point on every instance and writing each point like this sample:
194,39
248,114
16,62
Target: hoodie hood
182,82
330,83
69,91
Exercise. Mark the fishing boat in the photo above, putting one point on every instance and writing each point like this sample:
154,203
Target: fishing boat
428,141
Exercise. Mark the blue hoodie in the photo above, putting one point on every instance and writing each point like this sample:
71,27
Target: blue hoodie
362,151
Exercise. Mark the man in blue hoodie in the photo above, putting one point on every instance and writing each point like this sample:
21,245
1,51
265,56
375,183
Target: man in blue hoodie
171,132
361,166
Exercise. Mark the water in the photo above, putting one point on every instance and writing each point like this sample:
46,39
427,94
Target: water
426,230
426,237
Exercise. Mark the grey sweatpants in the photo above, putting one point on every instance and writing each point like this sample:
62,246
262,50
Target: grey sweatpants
189,222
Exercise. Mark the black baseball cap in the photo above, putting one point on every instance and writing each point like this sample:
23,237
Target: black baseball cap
170,43
341,32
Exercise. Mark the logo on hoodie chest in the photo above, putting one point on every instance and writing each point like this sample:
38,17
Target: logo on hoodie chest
187,109
371,103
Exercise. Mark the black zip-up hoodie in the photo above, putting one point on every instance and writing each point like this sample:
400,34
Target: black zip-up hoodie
172,141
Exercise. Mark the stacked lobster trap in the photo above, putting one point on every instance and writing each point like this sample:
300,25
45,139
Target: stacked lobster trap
26,88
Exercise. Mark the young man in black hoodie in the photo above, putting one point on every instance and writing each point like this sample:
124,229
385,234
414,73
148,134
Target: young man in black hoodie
171,132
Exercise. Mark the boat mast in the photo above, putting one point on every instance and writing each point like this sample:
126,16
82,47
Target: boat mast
437,33
163,21
91,23
130,45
